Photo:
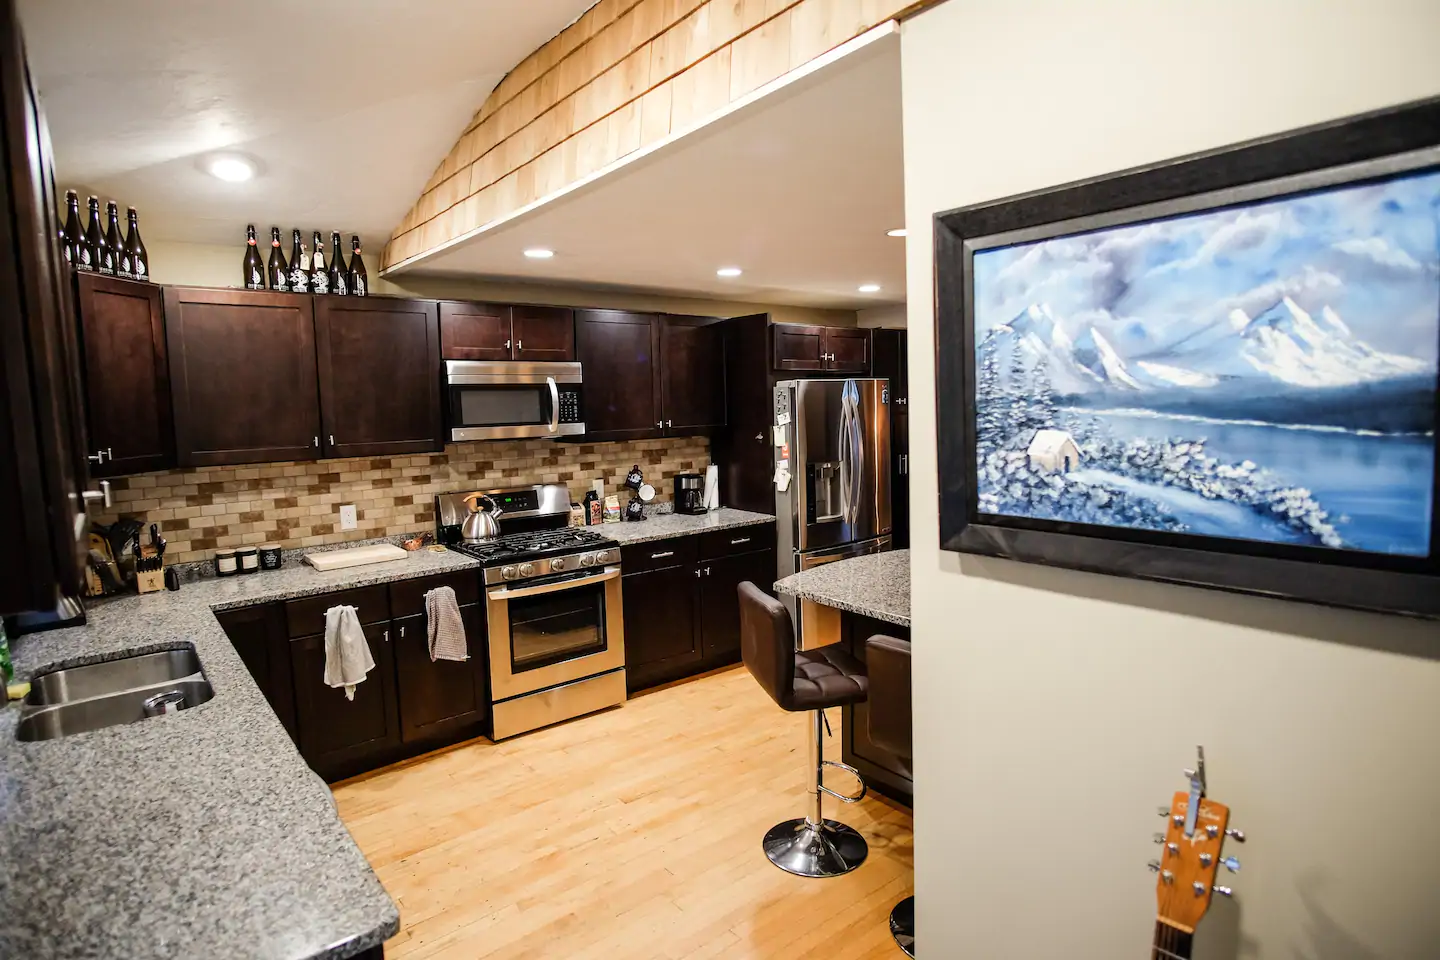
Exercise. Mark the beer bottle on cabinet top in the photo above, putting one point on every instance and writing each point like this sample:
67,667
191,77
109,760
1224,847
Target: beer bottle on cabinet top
358,280
277,268
338,279
299,265
94,239
110,255
319,278
76,252
254,269
133,258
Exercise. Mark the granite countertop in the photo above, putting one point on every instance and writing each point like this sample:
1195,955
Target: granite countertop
661,526
876,585
201,833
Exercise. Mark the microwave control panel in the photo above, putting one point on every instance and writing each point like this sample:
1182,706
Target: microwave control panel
570,405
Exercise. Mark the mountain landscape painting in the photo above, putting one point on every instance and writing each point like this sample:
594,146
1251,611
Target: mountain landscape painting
1265,372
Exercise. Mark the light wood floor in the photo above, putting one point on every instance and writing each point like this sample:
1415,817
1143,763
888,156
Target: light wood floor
627,835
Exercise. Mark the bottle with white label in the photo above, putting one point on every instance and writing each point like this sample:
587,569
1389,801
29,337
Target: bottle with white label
299,264
338,278
358,280
319,276
254,268
133,258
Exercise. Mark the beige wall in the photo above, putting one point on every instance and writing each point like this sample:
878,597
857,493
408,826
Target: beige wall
887,317
218,265
1053,709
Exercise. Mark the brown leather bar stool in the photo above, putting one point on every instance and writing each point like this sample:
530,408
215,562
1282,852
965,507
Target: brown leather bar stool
828,676
887,660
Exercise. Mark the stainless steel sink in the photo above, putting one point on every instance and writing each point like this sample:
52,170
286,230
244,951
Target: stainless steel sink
96,695
112,676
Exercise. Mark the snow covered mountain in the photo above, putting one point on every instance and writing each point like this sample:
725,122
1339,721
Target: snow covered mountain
1282,347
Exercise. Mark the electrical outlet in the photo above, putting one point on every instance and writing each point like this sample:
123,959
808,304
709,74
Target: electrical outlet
347,517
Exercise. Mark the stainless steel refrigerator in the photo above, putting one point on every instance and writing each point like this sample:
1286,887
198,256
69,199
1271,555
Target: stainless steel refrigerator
833,440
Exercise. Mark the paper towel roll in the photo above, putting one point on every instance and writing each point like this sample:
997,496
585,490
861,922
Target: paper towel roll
712,487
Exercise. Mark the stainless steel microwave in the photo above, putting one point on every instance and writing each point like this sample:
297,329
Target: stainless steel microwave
506,400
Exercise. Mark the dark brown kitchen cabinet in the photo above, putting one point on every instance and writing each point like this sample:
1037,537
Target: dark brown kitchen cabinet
617,352
884,771
692,374
258,635
243,376
661,639
379,368
336,734
719,600
493,331
41,426
804,347
890,363
439,697
126,375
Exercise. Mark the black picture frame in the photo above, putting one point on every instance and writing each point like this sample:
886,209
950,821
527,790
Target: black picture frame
1344,578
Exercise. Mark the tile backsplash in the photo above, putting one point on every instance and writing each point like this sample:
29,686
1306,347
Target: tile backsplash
298,504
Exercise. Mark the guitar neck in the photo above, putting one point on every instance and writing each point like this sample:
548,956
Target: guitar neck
1171,943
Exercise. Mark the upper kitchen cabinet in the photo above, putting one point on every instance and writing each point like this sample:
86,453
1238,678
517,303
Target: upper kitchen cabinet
692,374
617,352
490,331
806,348
379,369
127,380
242,371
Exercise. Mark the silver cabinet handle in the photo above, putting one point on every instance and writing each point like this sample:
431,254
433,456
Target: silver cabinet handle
317,443
108,455
97,457
332,439
739,540
669,424
507,344
697,573
102,494
760,437
386,635
660,424
519,345
658,556
707,571
402,633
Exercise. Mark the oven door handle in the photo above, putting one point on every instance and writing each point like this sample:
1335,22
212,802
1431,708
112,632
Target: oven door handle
554,405
515,593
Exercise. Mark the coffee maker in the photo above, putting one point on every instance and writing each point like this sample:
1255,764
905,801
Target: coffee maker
689,493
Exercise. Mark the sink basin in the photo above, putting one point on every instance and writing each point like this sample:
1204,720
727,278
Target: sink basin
112,676
96,695
127,706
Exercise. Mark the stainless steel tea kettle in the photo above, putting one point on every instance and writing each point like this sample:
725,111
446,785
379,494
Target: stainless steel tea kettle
481,524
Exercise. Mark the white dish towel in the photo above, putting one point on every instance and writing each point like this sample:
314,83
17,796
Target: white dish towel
446,629
347,655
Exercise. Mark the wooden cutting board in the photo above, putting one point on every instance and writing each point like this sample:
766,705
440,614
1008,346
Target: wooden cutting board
338,559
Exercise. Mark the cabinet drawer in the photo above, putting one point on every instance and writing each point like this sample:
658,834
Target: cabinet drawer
407,597
307,615
724,543
658,554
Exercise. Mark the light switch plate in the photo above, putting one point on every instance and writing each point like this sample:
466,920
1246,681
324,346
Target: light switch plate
347,517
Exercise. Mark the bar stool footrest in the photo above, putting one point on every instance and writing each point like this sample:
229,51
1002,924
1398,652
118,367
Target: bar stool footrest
843,797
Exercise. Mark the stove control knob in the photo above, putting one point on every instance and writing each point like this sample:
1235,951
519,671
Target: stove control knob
527,569
508,573
586,559
558,563
604,556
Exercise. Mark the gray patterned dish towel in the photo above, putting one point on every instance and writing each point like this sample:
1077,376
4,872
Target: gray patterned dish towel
446,629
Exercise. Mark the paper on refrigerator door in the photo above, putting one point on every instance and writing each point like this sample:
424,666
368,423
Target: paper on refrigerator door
782,479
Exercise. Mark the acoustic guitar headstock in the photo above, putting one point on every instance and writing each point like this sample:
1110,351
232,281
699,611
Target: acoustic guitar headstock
1196,828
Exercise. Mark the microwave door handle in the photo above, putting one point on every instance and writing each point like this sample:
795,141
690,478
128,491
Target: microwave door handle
515,593
554,405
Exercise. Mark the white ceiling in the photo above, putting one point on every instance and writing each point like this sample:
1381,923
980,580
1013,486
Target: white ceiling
347,105
798,189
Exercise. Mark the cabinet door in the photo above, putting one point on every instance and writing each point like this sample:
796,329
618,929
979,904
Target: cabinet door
379,364
258,635
692,374
334,731
543,334
798,346
720,600
242,370
127,380
847,349
617,351
441,696
474,331
661,641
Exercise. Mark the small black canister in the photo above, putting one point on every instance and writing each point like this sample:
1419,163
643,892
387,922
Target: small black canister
247,559
271,556
225,565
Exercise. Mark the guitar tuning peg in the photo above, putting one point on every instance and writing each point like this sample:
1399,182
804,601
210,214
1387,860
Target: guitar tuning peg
1159,838
1163,811
1237,835
1223,891
1231,864
1154,866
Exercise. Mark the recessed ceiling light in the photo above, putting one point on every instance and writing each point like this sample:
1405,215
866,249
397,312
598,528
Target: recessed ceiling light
895,233
728,272
539,253
869,288
232,169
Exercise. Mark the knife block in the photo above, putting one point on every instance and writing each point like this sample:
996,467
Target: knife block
150,581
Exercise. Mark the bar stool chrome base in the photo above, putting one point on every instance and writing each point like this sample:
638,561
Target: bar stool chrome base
799,847
902,925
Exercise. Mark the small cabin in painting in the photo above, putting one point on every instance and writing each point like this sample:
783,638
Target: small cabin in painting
1054,451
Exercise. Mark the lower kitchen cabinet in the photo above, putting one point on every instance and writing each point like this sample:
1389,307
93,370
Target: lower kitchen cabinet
439,697
258,635
683,619
337,735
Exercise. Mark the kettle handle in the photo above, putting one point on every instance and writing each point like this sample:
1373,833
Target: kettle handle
494,511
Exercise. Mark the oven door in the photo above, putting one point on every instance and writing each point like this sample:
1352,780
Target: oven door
550,633
504,401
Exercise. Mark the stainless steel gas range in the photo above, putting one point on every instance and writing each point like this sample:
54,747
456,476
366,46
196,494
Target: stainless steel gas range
552,602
